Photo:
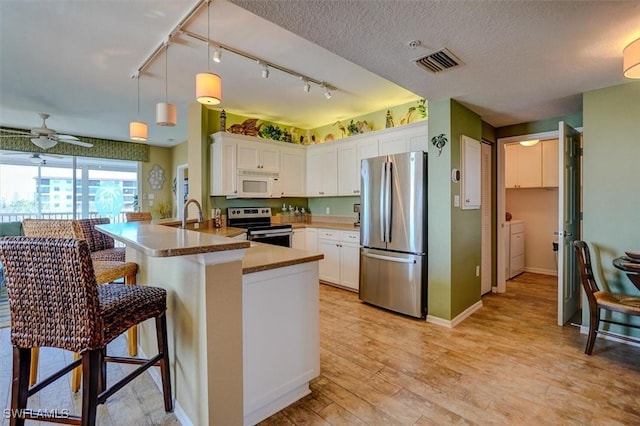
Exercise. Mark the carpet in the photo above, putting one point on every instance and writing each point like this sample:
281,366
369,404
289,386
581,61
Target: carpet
5,316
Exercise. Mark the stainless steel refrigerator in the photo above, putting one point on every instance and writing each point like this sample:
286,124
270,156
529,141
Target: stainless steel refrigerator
393,233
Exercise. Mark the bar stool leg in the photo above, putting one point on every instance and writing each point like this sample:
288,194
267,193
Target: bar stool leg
90,377
132,333
76,375
163,348
33,375
20,385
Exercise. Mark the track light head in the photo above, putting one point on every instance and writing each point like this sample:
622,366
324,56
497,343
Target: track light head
327,93
307,86
265,71
217,55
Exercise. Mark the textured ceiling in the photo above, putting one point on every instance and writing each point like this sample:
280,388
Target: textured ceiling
524,60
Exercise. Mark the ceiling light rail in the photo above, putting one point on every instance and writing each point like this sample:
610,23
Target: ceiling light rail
258,60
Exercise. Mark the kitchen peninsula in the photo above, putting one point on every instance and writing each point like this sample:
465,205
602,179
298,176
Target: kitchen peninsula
242,319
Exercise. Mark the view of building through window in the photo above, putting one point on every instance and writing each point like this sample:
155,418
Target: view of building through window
43,187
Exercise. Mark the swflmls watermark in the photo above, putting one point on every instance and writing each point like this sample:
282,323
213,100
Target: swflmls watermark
43,413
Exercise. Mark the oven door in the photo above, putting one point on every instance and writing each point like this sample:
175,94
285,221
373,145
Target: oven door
275,238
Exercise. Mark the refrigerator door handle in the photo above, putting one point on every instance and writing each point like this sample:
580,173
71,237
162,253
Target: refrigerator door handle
388,258
387,211
383,201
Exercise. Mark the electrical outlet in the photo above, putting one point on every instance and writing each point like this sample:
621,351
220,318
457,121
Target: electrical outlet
477,271
152,197
328,210
150,203
456,200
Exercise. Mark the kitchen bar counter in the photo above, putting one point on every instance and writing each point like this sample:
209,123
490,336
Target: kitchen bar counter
328,225
233,362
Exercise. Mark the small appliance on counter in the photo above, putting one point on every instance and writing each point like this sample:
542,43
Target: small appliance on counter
356,210
217,218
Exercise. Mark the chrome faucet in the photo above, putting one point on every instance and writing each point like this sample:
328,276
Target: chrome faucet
185,211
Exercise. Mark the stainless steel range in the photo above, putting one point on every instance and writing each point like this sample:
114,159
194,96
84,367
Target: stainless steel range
257,222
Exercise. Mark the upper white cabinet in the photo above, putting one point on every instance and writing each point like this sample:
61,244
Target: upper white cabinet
348,169
532,166
293,161
471,173
223,166
550,162
322,170
523,166
413,137
258,155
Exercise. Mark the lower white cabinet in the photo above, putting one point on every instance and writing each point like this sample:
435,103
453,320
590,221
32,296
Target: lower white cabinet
516,248
299,240
311,239
341,263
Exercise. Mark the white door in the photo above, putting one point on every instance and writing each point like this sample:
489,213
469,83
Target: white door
485,271
568,221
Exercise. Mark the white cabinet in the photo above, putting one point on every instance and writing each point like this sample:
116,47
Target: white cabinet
322,171
223,167
258,155
347,170
523,166
516,248
293,171
550,163
299,240
311,239
408,138
341,263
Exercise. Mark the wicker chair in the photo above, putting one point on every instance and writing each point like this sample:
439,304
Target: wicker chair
55,301
49,228
138,216
102,246
602,300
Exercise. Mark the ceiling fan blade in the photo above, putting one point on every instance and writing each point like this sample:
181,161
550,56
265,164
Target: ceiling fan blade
67,137
78,142
14,133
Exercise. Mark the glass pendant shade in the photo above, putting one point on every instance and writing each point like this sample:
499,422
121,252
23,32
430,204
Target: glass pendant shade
208,88
530,143
166,114
43,142
631,60
138,131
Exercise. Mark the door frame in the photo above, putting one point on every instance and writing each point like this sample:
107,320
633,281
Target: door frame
180,172
501,192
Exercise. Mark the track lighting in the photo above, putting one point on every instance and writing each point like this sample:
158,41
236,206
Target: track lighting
138,130
217,55
265,71
327,93
166,113
208,84
306,86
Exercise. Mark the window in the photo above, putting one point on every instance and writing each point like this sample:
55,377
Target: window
104,188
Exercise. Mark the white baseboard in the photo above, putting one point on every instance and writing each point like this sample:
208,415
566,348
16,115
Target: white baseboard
457,320
177,409
541,271
610,336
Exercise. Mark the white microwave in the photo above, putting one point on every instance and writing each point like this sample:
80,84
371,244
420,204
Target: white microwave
257,184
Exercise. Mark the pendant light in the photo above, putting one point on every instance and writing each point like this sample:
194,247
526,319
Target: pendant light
166,114
208,84
138,129
631,60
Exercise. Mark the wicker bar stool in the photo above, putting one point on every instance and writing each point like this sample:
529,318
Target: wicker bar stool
55,301
102,246
138,216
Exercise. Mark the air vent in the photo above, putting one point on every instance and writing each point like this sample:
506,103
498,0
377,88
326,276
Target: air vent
441,60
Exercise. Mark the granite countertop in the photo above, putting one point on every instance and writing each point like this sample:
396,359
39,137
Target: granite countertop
166,241
261,257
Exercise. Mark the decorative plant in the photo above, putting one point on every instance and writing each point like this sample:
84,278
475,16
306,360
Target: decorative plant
439,142
162,209
135,204
422,108
352,128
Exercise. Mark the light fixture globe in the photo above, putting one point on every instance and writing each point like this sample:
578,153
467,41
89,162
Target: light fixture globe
44,142
631,60
530,142
166,114
138,131
208,88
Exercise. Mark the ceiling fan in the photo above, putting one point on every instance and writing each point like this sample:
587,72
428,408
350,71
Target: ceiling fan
34,158
44,137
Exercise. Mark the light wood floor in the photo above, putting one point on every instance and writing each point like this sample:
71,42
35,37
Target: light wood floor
506,364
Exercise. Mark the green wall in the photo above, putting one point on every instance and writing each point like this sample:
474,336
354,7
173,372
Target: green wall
162,157
611,195
341,206
550,124
454,243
